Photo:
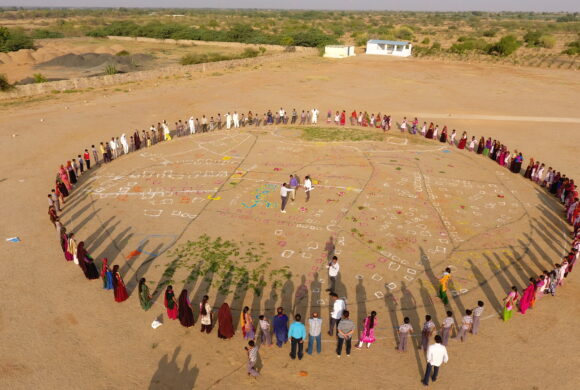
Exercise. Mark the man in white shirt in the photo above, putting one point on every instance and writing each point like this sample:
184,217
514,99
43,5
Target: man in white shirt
314,333
314,117
338,306
333,268
436,356
284,190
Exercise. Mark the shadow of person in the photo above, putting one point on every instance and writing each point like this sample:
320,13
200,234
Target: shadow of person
329,248
391,304
315,296
287,295
426,296
301,298
170,376
484,284
361,302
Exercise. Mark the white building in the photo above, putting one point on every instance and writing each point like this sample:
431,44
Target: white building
338,51
391,48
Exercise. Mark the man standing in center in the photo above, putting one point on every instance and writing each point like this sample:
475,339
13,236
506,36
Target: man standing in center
338,308
297,335
333,268
344,330
314,333
293,186
436,356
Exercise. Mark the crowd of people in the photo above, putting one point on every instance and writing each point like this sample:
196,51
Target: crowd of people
279,327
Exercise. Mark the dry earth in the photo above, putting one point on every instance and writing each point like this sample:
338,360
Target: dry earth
60,331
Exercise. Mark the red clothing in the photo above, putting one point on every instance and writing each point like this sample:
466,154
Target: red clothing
119,288
86,156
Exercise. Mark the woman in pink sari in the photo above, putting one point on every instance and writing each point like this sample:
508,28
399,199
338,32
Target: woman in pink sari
368,333
62,172
528,296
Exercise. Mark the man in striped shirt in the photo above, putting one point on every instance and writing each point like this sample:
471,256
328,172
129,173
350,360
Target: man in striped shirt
252,350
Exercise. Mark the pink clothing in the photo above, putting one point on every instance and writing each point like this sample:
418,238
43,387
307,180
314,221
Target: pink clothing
64,177
527,298
368,334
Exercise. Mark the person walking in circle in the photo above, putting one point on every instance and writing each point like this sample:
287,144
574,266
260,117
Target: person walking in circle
436,356
333,268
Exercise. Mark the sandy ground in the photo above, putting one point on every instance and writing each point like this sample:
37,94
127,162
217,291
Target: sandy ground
61,331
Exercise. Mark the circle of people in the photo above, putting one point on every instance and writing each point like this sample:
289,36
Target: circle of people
554,182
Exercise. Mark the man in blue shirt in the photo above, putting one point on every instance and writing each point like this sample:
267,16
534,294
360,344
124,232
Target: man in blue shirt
293,186
297,335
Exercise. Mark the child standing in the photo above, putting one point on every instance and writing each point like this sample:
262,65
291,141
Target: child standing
265,335
87,158
403,332
477,312
447,328
466,325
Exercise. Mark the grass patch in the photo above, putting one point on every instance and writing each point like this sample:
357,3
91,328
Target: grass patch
339,134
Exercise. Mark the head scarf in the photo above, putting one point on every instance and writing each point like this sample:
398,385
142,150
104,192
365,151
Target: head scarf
226,327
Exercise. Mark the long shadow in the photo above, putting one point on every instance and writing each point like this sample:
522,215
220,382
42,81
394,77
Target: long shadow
426,296
270,303
424,259
301,298
409,309
391,304
170,376
361,299
238,301
543,234
505,284
521,266
257,301
78,226
95,239
329,248
315,294
484,284
287,295
340,288
509,275
133,280
165,280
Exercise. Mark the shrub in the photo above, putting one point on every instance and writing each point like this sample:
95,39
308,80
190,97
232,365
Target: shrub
469,44
573,48
4,84
45,34
12,40
505,46
250,53
39,78
425,41
111,70
404,33
547,41
532,38
489,33
123,53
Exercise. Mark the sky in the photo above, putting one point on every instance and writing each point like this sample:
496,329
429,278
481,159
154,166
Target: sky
395,5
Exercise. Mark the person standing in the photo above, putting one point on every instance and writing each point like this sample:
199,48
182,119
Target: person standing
294,116
314,333
338,307
280,324
314,116
252,350
170,303
436,356
333,269
477,312
95,154
344,331
236,119
528,296
55,200
308,187
368,333
284,190
447,328
119,286
428,329
466,324
106,275
145,298
247,324
293,186
205,316
510,303
403,332
297,335
443,284
265,334
87,158
185,313
225,322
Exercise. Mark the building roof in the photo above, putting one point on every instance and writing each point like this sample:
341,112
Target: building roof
380,41
338,46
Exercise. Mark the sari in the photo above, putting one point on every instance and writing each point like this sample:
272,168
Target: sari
185,314
64,178
120,291
430,131
106,275
462,142
443,282
247,325
64,242
225,322
171,305
145,297
343,118
508,307
528,298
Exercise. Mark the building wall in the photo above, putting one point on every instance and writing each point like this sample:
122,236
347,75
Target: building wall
373,48
338,52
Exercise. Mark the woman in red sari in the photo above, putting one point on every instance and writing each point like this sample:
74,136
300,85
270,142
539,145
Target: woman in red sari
443,137
343,118
119,286
366,119
225,322
71,173
462,141
430,131
528,296
184,309
171,303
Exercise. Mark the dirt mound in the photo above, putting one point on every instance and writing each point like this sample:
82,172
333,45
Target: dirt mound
22,57
93,60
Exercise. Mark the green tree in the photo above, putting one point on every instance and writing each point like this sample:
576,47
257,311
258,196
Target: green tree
505,46
13,40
